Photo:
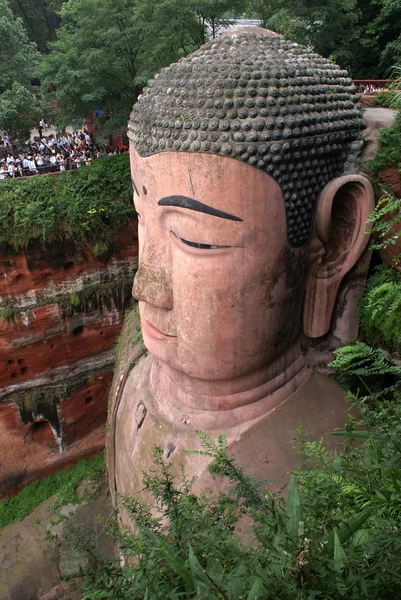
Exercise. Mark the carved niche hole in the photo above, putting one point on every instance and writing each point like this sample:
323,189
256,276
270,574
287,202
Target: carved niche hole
88,399
10,362
69,265
145,191
42,432
13,375
101,333
21,363
78,330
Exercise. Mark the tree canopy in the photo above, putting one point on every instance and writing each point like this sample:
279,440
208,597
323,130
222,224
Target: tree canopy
97,55
363,36
41,19
18,104
106,50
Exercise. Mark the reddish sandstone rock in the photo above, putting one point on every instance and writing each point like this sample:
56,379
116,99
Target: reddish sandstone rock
61,310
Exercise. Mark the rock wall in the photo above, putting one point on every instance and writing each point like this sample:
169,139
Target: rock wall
61,311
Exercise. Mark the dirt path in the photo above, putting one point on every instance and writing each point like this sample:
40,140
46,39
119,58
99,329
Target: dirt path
376,119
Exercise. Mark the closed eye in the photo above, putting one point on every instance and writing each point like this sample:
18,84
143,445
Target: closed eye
199,245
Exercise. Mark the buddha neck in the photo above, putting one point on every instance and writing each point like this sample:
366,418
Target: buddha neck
221,404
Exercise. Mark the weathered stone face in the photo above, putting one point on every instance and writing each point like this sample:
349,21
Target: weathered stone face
265,101
226,281
219,288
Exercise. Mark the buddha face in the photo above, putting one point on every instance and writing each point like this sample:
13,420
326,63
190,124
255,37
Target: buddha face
220,290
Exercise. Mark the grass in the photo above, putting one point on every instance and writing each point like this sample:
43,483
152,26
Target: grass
63,485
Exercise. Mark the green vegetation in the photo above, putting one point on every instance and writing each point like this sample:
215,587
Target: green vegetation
380,309
114,292
102,53
63,485
29,400
361,35
367,372
337,535
106,51
385,216
86,207
41,19
97,54
19,57
389,153
8,311
385,99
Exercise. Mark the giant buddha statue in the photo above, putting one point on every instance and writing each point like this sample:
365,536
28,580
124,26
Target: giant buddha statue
251,212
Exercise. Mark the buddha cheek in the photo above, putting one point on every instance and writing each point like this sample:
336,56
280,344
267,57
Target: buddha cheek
220,310
203,311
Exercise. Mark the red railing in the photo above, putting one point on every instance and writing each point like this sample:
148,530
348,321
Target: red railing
361,84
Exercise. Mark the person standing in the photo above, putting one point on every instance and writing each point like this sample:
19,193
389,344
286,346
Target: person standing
40,163
11,169
62,163
32,165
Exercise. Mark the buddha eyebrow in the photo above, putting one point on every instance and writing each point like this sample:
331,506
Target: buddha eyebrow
191,204
134,186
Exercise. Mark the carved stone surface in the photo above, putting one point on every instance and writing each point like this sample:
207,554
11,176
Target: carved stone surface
61,312
230,280
261,99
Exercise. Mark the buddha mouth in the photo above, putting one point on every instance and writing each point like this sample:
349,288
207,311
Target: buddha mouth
155,333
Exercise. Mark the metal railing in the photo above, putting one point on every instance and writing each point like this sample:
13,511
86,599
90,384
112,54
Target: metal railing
21,172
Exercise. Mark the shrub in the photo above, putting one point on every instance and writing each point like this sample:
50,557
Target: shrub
337,535
380,309
389,153
384,99
86,206
63,485
385,217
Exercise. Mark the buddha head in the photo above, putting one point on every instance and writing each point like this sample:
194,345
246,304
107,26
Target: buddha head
250,207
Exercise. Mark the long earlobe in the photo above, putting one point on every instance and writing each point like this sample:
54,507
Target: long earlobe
341,214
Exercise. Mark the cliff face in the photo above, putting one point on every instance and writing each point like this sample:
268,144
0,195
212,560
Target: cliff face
61,310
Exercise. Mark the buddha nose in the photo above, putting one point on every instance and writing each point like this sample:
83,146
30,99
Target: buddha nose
152,281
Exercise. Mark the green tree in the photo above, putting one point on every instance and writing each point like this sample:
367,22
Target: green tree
41,19
18,105
106,50
361,35
330,27
380,41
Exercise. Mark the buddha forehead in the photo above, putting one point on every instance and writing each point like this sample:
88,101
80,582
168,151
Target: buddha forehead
260,99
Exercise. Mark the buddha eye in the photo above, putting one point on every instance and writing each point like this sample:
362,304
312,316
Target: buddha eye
199,245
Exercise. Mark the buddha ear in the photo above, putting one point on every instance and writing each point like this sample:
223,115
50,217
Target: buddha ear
339,239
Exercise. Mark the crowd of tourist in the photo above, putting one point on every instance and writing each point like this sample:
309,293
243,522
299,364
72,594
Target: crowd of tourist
49,154
374,89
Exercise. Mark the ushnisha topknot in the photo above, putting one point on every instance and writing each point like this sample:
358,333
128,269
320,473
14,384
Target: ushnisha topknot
256,97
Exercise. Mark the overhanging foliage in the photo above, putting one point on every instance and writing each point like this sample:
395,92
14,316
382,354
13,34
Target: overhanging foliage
85,206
